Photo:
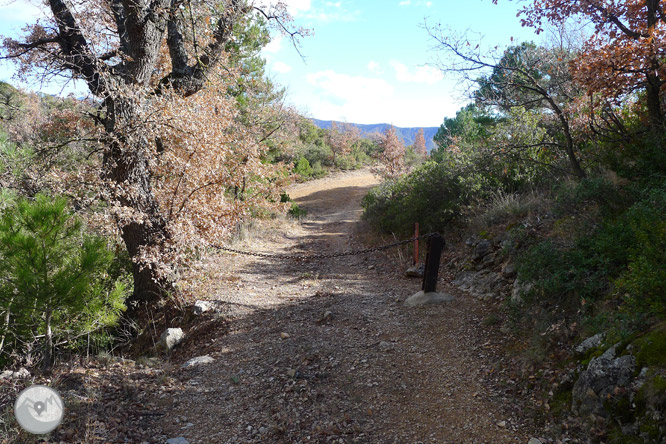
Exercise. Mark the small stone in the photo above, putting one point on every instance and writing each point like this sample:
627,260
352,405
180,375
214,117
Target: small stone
481,249
501,424
199,360
291,372
285,335
590,343
170,338
415,271
179,440
371,267
201,307
21,373
263,430
385,346
509,270
534,441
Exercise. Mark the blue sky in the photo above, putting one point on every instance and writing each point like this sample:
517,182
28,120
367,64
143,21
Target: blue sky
368,60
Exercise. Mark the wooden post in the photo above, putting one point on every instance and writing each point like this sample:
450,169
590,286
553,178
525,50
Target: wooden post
416,244
435,246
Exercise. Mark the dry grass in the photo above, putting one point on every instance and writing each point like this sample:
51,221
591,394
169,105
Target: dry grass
506,207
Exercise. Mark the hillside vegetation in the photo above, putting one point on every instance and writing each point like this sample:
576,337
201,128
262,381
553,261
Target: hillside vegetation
558,165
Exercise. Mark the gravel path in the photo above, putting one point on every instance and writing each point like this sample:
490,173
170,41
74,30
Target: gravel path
324,351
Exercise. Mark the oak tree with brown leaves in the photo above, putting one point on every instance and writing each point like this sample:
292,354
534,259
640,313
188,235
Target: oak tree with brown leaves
170,142
393,153
626,53
420,144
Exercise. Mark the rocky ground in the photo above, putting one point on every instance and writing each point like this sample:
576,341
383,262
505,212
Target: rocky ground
310,351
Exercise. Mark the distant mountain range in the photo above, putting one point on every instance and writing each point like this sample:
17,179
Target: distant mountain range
406,134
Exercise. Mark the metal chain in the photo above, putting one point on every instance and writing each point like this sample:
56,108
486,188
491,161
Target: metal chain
324,256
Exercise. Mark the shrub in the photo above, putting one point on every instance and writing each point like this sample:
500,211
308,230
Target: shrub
303,168
318,153
433,195
55,282
618,257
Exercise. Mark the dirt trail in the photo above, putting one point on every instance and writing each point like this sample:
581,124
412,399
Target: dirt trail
323,351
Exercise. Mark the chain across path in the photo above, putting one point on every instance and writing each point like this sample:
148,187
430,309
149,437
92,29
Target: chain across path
324,256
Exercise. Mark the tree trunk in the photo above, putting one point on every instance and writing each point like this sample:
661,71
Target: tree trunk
653,98
48,342
126,165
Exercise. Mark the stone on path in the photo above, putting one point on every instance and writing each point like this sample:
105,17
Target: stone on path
534,441
179,440
422,298
199,360
416,271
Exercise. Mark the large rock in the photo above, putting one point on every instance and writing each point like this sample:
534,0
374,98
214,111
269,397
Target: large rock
422,298
605,378
480,283
170,338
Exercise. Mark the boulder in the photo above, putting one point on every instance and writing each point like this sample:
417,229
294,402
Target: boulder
605,378
170,338
422,298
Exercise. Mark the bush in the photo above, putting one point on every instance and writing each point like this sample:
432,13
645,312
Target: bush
318,153
345,162
55,279
619,257
433,195
303,168
295,211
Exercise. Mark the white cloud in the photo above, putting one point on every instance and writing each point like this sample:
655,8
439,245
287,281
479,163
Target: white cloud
281,67
375,67
346,88
274,46
421,74
418,3
297,6
19,12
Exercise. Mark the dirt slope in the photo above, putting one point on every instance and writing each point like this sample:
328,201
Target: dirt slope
324,351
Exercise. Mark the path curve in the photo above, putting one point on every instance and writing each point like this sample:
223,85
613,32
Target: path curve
325,352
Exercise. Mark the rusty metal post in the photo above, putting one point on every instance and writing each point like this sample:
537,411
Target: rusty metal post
435,245
416,243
